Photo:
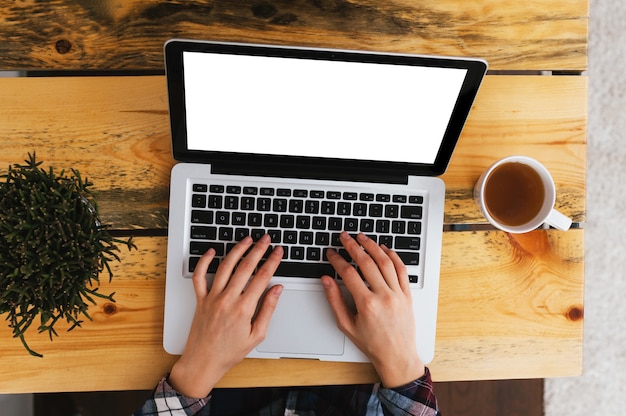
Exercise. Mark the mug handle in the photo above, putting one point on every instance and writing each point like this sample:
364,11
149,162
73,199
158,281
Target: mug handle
559,221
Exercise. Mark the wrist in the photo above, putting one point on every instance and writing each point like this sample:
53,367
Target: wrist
398,374
191,381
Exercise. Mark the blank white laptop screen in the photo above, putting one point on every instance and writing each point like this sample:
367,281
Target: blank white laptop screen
297,107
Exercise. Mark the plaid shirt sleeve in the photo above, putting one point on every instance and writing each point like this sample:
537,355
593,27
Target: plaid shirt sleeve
166,401
416,398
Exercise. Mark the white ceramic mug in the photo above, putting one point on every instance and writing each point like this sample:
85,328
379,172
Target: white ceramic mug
516,200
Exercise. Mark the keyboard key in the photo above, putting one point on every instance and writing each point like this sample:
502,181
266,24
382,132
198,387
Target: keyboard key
222,217
317,194
367,225
344,208
312,207
199,248
225,234
319,223
270,220
300,193
296,205
309,270
328,207
359,209
203,233
200,187
411,211
254,219
216,189
387,240
322,239
215,201
351,224
350,196
247,203
376,210
296,253
198,201
414,227
233,189
267,191
241,233
201,217
250,190
313,253
280,205
238,218
391,211
264,204
383,198
416,199
231,202
399,198
366,196
335,224
398,227
333,195
306,238
409,258
411,243
287,221
303,222
283,192
290,237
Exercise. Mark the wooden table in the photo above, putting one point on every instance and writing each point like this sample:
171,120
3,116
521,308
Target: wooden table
510,306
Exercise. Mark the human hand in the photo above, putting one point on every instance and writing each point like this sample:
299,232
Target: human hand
383,326
226,325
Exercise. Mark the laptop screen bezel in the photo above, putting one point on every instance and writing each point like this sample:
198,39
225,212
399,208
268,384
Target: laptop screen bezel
300,166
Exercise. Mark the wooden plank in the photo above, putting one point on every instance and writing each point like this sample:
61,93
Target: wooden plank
509,307
118,131
491,398
115,34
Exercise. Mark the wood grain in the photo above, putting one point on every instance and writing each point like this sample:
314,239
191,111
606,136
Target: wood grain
509,307
118,131
116,34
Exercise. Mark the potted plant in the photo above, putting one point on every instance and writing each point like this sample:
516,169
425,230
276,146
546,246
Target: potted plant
53,248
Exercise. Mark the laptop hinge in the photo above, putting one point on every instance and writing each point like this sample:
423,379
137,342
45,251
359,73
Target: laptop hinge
287,170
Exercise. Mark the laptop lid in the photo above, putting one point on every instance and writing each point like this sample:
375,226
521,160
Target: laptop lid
305,112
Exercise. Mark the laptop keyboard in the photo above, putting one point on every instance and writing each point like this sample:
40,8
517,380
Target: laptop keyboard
304,221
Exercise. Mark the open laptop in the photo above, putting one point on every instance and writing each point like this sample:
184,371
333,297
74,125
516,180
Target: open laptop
301,144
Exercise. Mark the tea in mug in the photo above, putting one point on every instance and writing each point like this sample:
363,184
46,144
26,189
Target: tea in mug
514,194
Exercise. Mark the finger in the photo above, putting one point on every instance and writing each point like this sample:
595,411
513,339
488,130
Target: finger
264,315
365,262
401,272
262,277
228,264
384,265
348,273
241,276
343,316
200,285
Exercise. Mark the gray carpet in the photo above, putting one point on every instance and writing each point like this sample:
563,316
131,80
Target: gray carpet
602,388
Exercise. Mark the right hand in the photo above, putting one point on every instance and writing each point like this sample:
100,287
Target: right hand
383,326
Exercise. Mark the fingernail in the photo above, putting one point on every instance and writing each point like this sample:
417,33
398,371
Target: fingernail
361,237
344,235
265,238
326,282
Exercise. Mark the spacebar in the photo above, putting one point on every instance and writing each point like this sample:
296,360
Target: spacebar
296,269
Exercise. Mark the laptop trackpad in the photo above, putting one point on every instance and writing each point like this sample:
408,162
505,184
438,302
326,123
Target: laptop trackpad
303,323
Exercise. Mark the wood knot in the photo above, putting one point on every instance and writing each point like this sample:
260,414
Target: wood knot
63,46
263,10
575,313
109,309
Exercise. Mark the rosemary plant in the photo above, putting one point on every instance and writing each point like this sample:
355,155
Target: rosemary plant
52,249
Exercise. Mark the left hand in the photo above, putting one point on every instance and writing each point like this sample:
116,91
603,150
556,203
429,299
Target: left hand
226,325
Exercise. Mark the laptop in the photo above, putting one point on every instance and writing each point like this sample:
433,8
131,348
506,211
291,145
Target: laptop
302,143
